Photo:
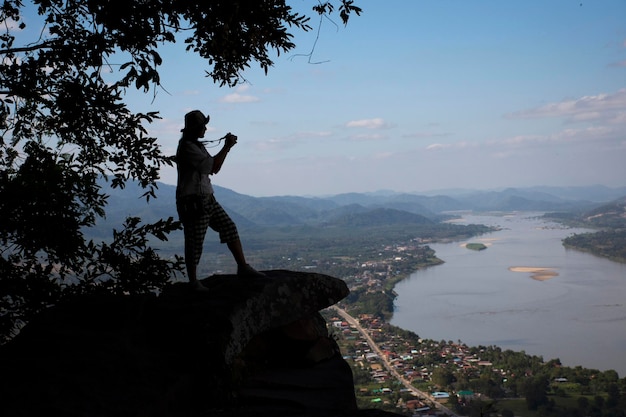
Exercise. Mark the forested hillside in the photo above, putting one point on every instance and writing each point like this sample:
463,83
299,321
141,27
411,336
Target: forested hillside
610,239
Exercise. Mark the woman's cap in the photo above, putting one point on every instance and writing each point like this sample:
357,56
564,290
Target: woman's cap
195,119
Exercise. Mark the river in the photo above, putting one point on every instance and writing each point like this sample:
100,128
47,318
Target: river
575,312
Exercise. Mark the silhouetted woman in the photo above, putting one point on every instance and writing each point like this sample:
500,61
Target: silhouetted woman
195,202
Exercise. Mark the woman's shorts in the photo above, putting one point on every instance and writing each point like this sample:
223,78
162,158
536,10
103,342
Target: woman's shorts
212,216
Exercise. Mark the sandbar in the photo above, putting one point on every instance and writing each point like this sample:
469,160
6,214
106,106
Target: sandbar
537,273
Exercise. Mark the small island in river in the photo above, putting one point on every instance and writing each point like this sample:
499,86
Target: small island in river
476,246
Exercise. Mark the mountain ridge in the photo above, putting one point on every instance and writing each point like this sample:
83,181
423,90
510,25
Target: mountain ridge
358,208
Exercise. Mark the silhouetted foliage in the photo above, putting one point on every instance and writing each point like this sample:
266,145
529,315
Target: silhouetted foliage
64,70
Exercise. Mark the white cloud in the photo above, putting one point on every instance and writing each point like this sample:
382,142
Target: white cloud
599,137
273,144
518,141
375,123
438,146
368,137
239,97
425,135
586,108
456,145
384,155
620,118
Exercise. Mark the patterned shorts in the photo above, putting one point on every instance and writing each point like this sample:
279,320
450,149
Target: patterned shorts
195,229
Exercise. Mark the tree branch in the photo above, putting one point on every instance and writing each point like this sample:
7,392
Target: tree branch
28,48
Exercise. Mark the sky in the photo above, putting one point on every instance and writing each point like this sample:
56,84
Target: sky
415,96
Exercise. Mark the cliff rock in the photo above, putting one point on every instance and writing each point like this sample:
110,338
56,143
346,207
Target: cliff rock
246,347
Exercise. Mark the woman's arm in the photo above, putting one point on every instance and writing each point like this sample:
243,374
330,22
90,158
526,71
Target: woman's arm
218,159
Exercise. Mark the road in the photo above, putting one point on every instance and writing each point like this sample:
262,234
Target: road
393,371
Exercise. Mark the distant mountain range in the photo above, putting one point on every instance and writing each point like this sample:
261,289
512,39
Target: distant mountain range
354,209
610,216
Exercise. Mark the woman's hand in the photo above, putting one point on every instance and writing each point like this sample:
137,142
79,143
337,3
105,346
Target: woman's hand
230,140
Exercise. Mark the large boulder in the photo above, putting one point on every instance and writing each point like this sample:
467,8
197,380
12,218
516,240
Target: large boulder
256,347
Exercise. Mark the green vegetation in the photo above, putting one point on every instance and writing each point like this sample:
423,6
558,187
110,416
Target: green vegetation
610,244
476,246
384,253
340,251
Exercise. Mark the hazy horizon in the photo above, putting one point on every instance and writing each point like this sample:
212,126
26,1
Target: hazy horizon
456,191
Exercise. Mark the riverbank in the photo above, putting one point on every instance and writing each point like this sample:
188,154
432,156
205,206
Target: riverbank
564,304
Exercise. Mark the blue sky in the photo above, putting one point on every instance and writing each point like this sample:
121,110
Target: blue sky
415,96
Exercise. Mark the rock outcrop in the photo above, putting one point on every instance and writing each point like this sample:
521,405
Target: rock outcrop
257,347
